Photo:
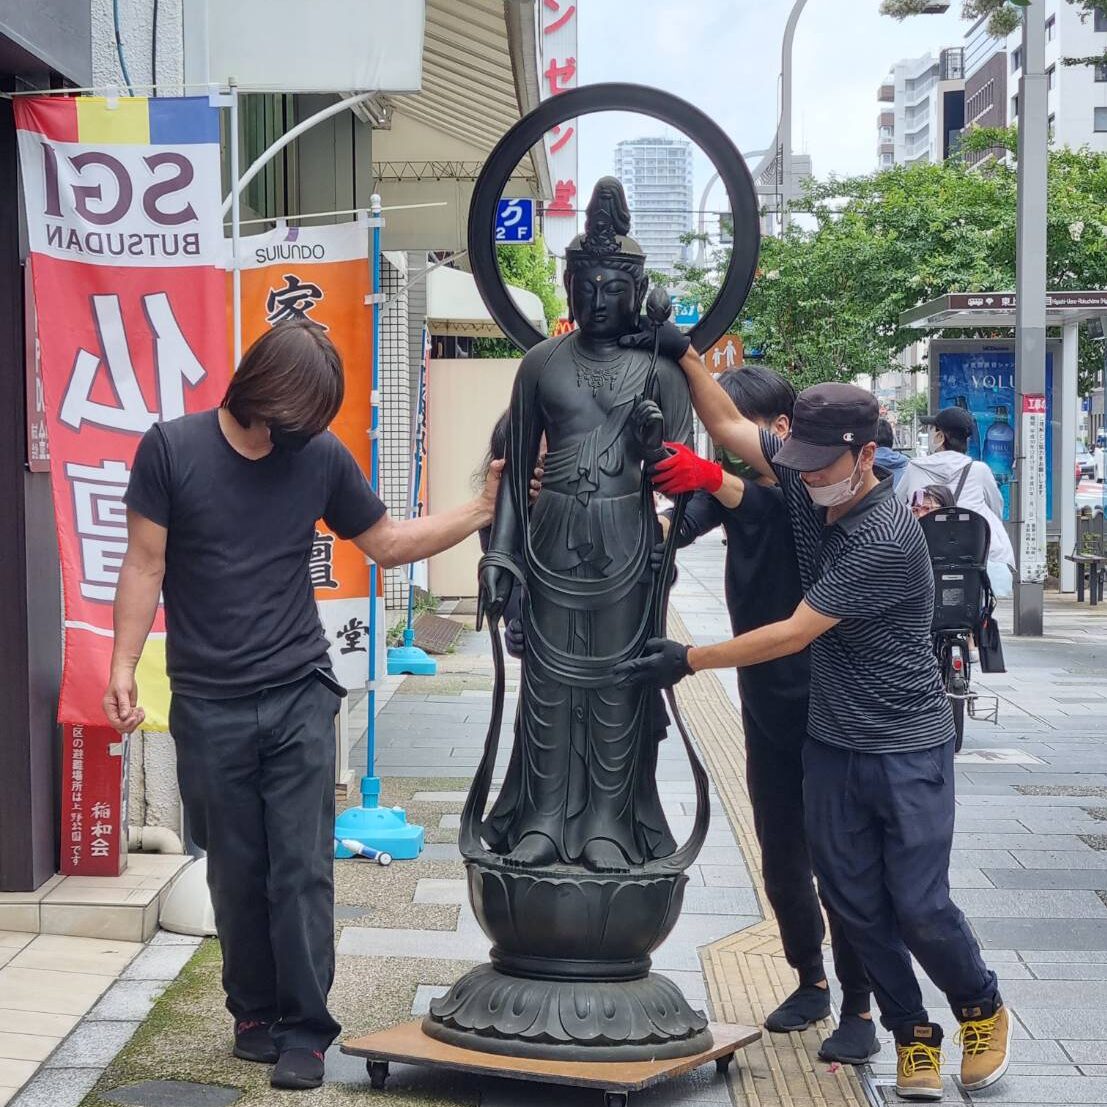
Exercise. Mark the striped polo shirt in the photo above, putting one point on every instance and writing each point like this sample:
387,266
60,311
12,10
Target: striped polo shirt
875,683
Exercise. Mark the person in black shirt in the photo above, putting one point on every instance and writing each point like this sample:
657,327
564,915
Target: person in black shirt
878,767
763,586
221,514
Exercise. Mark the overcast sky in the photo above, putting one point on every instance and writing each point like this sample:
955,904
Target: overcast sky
724,56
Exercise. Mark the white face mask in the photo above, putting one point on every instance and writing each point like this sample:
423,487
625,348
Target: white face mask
840,492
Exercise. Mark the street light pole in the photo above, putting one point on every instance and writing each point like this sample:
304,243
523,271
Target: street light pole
1028,507
785,149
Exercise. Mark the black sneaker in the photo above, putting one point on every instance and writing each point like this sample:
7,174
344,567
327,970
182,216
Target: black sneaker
853,1043
253,1043
298,1068
807,1004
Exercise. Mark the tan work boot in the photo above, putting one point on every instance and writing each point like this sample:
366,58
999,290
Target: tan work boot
919,1061
985,1038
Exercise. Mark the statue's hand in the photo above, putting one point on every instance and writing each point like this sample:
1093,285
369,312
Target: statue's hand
494,591
647,424
514,639
674,342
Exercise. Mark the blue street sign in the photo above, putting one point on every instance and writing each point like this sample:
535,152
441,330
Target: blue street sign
685,314
515,221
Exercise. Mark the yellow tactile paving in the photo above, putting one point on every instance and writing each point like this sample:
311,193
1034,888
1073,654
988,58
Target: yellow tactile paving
746,973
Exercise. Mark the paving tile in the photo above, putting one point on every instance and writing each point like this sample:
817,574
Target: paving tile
14,1073
1054,859
726,876
969,878
14,939
39,1023
1004,904
720,901
1040,1090
1083,1052
679,950
1020,841
61,953
93,1045
26,1047
61,993
424,994
159,963
1068,970
1041,879
982,859
127,1000
1067,1025
441,891
1029,934
57,1088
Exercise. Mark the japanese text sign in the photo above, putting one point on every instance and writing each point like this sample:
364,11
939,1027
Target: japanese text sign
558,48
122,200
515,221
321,274
93,802
1032,555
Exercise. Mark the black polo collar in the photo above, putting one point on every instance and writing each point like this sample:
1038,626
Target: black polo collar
857,515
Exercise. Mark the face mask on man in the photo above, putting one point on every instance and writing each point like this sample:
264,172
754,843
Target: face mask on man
840,492
285,439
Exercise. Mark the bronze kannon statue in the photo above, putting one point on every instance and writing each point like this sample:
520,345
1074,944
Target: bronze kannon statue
574,873
581,788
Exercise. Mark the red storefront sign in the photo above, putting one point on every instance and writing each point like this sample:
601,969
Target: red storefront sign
93,802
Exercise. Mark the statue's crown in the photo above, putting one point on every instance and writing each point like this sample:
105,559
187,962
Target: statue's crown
606,228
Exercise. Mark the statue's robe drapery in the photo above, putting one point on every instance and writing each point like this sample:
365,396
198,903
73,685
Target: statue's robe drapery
583,766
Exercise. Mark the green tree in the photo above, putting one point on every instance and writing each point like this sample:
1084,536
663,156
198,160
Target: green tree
526,266
1004,16
829,294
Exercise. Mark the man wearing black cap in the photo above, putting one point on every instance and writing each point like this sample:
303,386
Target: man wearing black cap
878,766
948,463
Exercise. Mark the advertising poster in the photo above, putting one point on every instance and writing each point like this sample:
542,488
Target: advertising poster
321,274
980,377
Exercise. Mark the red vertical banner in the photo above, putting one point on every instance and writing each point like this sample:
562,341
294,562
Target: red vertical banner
123,217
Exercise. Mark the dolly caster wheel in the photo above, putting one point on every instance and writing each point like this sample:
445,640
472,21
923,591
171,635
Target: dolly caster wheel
378,1073
614,1099
723,1063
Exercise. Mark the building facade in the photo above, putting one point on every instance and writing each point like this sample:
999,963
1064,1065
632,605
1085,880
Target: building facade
986,84
922,109
657,176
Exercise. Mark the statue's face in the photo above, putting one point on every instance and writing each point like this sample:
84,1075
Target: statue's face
604,301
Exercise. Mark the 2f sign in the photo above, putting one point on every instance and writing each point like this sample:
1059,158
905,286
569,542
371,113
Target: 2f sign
515,221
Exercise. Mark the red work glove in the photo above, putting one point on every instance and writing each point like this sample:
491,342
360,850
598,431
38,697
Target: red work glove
685,471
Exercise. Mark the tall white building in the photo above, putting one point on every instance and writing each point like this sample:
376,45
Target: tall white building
922,109
1077,93
657,176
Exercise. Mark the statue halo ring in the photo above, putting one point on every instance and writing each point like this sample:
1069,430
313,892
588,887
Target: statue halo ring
587,100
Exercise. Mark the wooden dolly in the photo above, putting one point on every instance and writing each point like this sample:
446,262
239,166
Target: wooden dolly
406,1043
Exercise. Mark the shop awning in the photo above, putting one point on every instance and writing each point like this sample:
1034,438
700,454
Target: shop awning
454,306
480,76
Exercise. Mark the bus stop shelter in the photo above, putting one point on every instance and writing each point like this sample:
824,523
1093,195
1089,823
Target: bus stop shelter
990,312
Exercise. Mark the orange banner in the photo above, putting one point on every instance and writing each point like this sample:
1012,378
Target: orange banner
322,274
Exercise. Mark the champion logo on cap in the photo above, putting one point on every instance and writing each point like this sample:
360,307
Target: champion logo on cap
848,436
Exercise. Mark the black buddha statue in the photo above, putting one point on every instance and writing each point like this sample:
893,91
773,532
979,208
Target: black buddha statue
581,786
574,873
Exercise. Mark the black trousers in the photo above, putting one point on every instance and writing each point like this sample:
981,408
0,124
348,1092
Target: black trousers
774,777
257,778
881,828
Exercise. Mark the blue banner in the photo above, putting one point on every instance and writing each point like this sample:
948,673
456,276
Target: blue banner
983,383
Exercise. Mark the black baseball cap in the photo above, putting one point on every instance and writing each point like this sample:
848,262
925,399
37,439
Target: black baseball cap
828,420
952,420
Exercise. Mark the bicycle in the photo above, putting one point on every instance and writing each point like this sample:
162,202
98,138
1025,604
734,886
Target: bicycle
958,541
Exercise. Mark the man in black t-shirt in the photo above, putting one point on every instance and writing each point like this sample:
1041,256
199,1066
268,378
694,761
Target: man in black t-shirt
763,587
221,514
878,766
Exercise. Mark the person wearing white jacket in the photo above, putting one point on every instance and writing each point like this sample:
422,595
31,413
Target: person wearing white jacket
972,483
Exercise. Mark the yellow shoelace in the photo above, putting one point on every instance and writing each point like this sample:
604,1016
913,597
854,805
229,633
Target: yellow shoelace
917,1057
975,1035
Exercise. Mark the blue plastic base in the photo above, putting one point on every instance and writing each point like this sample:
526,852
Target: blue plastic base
380,828
412,660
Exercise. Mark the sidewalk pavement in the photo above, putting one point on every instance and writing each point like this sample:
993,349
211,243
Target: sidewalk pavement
1029,869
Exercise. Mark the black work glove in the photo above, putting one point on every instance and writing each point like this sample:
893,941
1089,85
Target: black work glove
657,557
664,664
674,342
513,638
